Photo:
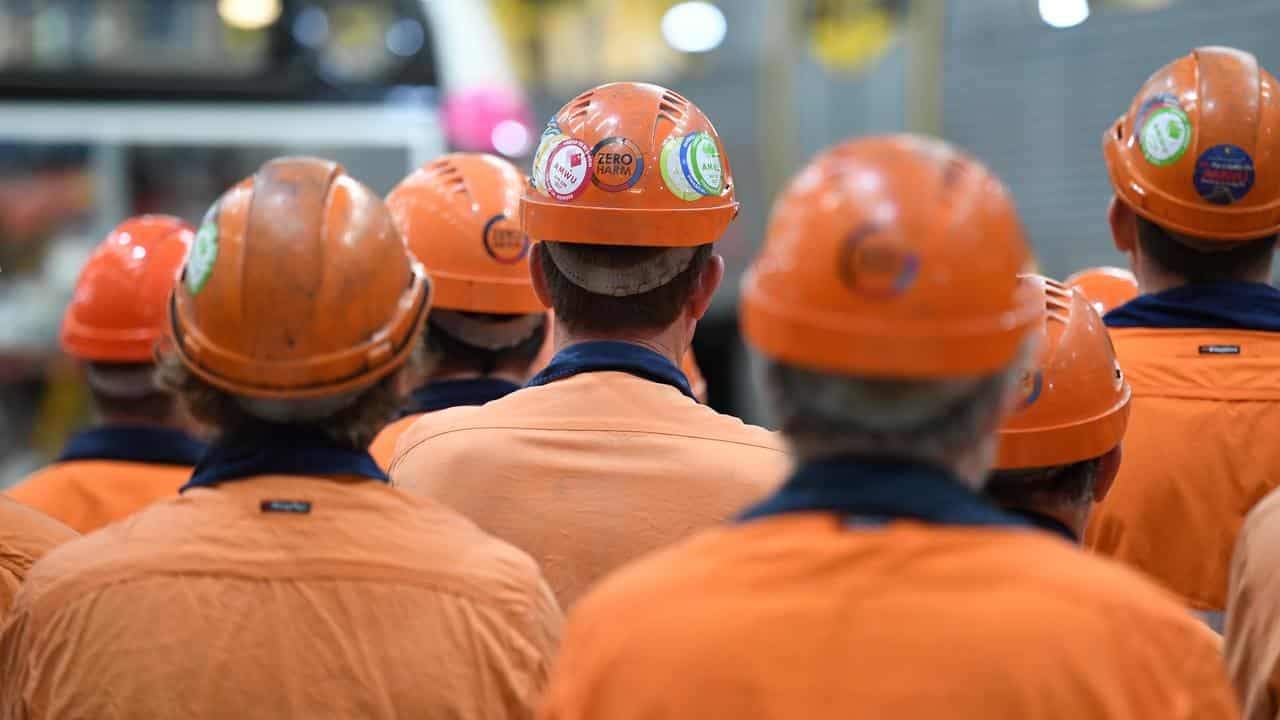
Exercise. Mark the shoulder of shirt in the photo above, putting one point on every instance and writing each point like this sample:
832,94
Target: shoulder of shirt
550,408
1071,586
27,534
481,569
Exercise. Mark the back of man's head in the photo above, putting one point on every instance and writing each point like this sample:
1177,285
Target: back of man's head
885,337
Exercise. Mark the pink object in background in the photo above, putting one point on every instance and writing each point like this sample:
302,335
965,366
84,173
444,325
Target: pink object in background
488,119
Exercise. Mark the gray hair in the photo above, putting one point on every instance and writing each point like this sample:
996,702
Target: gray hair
933,421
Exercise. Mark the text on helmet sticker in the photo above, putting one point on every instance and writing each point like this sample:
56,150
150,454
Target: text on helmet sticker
691,166
567,168
504,241
1165,135
1224,174
204,252
619,163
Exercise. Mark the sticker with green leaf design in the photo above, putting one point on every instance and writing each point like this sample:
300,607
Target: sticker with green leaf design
1165,135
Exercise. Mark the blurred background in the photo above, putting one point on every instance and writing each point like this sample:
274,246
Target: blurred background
110,108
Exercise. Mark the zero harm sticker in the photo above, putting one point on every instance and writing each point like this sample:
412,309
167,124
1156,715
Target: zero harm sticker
504,241
204,252
1165,135
691,166
618,164
1224,174
567,168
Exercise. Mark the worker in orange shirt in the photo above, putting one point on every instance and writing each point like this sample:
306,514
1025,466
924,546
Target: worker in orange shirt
1106,287
25,536
606,454
1252,638
1197,210
1059,450
288,580
460,215
878,582
138,450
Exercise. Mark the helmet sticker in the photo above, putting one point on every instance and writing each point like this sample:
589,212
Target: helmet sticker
567,168
204,252
1165,135
1224,174
874,265
551,135
691,166
1030,386
618,164
504,241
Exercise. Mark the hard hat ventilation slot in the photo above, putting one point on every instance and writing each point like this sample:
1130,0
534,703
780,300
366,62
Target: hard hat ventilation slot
579,106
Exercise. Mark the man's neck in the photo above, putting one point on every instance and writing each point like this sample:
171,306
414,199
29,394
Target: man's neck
669,342
508,374
1075,518
1152,280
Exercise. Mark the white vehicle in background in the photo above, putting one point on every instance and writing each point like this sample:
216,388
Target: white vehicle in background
110,108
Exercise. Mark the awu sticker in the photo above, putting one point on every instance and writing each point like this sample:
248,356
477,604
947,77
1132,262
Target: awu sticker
567,169
204,252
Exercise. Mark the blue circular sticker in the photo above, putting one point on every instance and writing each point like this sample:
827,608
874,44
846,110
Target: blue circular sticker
1224,174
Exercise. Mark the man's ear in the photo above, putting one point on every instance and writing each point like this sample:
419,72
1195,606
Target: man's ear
535,274
1124,226
1107,471
708,282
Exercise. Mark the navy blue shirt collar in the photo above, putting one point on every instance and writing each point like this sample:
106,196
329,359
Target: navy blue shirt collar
1217,306
610,355
134,443
1047,523
443,394
281,450
878,490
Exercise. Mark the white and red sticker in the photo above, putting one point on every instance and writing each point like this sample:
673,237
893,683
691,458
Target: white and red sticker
568,169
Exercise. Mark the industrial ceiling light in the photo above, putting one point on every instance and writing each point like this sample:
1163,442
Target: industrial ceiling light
249,14
1064,13
694,27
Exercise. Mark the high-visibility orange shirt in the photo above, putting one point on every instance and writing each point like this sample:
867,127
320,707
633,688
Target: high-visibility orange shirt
911,603
594,464
1252,643
433,396
1199,452
277,596
109,473
25,536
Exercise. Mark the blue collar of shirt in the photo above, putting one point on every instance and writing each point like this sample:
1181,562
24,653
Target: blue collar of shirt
1217,306
134,443
280,450
1047,523
453,393
878,490
610,355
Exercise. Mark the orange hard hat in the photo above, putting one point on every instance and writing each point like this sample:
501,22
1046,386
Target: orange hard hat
1105,287
629,164
1199,151
459,215
119,307
1075,402
298,286
892,256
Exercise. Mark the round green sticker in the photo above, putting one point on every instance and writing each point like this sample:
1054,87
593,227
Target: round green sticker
1165,135
204,253
673,175
703,159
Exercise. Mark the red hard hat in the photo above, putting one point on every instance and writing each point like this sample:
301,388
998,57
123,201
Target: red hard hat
120,304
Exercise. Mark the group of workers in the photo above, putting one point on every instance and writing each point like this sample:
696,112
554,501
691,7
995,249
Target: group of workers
437,421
